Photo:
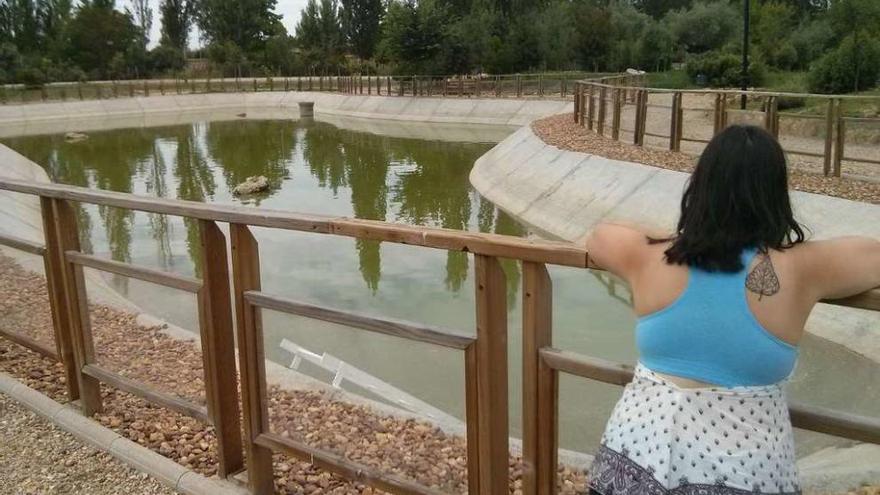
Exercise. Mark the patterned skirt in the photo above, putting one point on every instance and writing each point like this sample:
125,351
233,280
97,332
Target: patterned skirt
666,440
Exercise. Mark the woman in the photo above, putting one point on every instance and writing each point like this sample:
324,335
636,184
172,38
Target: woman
722,306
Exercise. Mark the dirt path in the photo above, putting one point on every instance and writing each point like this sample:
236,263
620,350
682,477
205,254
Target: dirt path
36,457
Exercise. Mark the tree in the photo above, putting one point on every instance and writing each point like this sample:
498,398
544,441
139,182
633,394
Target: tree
360,25
705,26
773,24
594,34
98,33
659,8
142,14
319,34
177,17
853,66
247,23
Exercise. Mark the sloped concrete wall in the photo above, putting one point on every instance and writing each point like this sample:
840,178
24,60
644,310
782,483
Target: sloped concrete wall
70,115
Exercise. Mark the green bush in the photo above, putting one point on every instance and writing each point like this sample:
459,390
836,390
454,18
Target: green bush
166,59
31,77
724,69
853,66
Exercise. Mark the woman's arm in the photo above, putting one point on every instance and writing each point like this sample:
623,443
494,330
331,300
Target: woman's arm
617,248
843,267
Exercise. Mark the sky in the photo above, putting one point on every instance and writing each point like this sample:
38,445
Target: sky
289,10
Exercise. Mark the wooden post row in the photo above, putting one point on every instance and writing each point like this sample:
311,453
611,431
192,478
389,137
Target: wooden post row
491,385
577,102
600,119
218,348
76,320
591,108
617,101
54,266
675,123
840,138
539,450
829,136
255,413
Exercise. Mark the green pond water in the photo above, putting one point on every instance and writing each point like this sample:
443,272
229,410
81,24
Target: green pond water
316,167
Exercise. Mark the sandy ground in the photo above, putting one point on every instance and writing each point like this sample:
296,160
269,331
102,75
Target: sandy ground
37,458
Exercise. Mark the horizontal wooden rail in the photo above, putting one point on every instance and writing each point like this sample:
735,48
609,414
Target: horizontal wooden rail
172,280
22,245
133,387
24,340
348,469
386,326
841,424
556,253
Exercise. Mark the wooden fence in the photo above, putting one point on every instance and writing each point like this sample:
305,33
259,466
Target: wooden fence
485,354
549,85
713,110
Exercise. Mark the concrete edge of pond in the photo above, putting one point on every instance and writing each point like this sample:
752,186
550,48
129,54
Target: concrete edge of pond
480,111
70,419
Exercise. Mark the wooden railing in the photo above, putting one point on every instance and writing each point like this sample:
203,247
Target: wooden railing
549,85
601,105
485,353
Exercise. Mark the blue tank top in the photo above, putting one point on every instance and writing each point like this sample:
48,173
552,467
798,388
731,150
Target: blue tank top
709,334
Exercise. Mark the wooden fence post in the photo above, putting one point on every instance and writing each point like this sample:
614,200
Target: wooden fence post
591,107
53,262
245,277
583,107
600,119
577,102
562,87
541,85
218,348
617,110
840,140
519,91
771,116
829,137
547,427
461,86
76,302
675,123
491,355
641,117
537,332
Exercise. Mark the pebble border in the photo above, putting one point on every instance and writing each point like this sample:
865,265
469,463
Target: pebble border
69,419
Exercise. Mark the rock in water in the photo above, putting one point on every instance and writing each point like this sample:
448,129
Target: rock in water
75,137
255,184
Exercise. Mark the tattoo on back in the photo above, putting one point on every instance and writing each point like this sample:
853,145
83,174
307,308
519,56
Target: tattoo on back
762,280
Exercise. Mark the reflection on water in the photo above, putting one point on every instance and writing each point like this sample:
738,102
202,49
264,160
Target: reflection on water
318,168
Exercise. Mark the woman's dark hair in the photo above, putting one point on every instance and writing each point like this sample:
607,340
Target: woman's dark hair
736,198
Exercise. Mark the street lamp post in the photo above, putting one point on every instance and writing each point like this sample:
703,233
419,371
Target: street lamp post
745,53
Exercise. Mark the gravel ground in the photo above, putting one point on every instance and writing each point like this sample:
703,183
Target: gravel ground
37,458
562,132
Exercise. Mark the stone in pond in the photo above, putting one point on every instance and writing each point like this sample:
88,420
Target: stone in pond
255,184
75,137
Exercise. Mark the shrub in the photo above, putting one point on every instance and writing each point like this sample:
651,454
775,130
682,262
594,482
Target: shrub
853,66
31,77
705,26
724,69
164,59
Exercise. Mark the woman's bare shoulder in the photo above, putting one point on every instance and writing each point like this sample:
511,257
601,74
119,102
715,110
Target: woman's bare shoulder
838,267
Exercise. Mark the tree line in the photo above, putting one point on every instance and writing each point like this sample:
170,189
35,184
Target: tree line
837,41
